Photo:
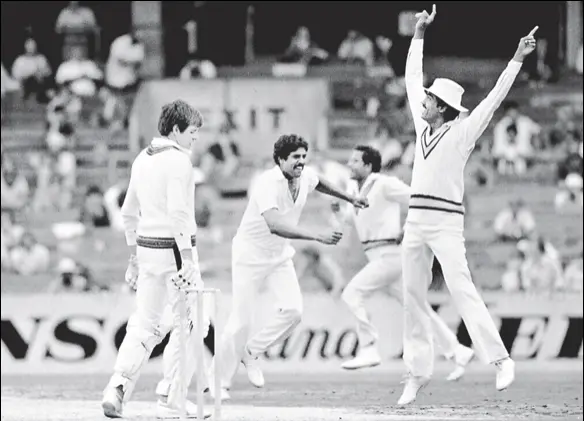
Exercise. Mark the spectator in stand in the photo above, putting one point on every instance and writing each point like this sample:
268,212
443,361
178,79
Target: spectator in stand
79,73
382,60
356,48
122,71
94,213
569,197
73,277
8,84
514,138
573,277
303,50
515,222
11,236
76,18
196,68
64,108
29,256
15,189
539,271
222,158
33,72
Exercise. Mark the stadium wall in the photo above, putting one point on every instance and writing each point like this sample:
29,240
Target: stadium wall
73,333
259,110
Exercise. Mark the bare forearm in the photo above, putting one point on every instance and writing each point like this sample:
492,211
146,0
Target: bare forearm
327,188
419,33
292,232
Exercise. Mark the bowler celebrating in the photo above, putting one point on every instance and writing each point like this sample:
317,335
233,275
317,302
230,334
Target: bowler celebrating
262,253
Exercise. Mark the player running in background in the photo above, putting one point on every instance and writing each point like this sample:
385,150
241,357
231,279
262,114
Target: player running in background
379,229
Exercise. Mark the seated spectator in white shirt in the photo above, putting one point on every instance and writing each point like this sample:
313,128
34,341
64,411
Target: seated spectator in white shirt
511,279
79,73
573,277
15,188
356,48
303,50
570,197
124,61
539,271
33,72
514,222
520,140
30,257
11,235
7,83
196,68
73,277
76,19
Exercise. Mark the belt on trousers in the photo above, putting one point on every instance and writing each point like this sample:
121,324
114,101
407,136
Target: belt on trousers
368,245
160,242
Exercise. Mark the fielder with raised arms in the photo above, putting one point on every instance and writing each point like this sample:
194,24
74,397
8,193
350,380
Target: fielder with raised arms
435,221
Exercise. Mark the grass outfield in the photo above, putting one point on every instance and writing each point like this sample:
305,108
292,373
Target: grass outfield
542,391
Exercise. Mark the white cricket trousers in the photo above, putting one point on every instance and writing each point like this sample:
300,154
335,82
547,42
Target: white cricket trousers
421,243
250,272
154,294
384,270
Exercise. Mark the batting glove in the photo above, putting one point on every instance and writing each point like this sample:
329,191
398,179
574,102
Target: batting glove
188,277
131,277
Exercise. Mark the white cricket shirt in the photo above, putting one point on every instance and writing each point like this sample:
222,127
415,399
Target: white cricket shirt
438,175
160,201
270,191
382,219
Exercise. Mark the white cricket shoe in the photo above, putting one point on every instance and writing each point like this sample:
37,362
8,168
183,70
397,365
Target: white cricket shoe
505,373
112,402
411,389
366,357
166,411
254,372
462,356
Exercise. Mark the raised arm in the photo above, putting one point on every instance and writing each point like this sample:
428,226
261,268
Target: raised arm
478,120
414,69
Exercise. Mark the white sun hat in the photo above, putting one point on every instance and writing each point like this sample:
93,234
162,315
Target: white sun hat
448,91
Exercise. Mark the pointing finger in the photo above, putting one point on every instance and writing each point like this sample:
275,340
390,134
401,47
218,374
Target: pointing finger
533,31
433,10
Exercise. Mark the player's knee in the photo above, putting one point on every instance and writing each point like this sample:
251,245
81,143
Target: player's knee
145,332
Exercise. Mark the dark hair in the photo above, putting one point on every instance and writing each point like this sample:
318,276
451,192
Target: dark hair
286,144
178,113
370,156
450,113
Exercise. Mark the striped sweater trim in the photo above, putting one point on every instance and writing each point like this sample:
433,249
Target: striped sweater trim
435,203
153,150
